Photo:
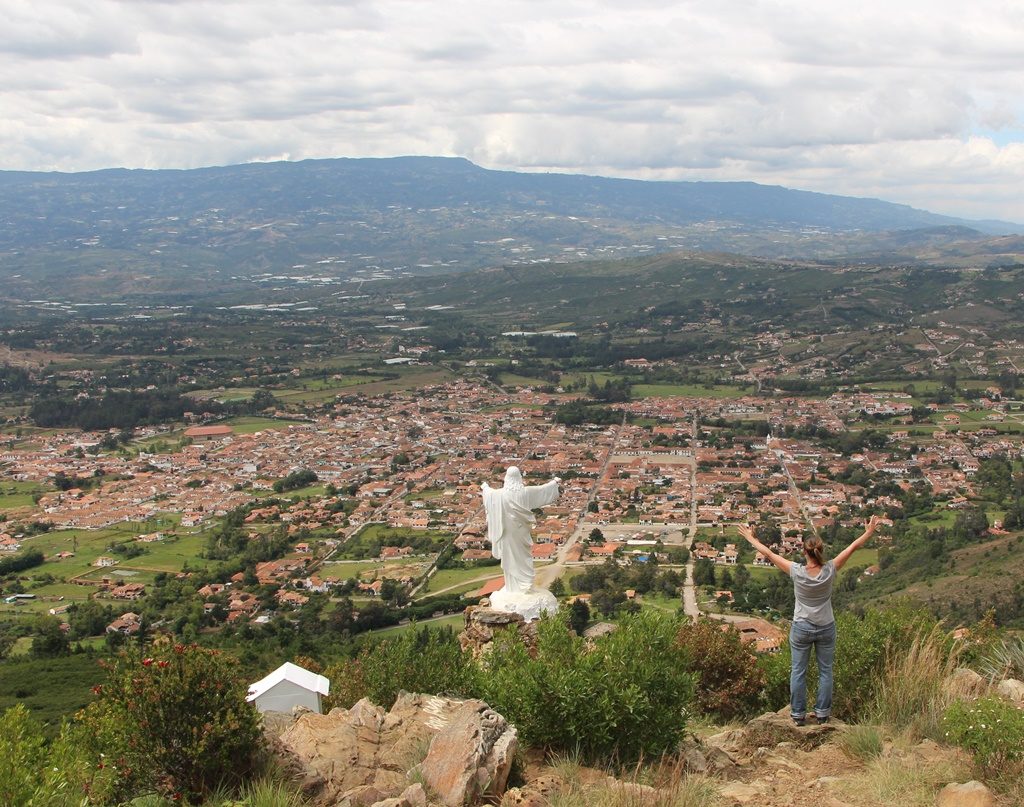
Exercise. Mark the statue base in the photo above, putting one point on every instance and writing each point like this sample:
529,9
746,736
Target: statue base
531,606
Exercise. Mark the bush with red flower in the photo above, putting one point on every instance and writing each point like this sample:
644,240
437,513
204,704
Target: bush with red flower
175,722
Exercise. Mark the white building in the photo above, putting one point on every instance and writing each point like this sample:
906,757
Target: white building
287,687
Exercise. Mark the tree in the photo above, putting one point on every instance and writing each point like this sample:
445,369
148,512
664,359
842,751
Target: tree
50,639
607,601
262,399
579,616
704,572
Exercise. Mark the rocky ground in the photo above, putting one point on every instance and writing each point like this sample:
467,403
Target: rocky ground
429,751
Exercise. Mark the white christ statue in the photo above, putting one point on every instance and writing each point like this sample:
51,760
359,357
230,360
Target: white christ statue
509,520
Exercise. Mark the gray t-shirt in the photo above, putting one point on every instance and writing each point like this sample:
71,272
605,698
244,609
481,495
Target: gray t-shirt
813,594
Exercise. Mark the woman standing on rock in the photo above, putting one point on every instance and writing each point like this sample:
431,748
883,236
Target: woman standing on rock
813,622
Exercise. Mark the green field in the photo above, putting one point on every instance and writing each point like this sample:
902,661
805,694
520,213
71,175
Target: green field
319,390
661,602
412,378
899,386
169,555
513,380
426,495
686,391
454,621
250,425
444,578
19,494
51,688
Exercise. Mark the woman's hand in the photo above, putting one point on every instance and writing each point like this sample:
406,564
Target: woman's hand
873,524
747,532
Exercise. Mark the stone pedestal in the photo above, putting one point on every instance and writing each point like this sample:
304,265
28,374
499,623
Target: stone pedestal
483,624
530,606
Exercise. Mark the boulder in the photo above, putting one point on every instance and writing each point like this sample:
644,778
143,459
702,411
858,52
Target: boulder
412,796
1011,689
460,750
744,792
523,797
276,723
966,683
969,794
699,757
537,793
471,756
771,729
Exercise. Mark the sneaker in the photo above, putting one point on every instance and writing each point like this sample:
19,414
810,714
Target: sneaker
799,721
822,720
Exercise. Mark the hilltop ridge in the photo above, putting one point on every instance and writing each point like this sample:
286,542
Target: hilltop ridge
122,230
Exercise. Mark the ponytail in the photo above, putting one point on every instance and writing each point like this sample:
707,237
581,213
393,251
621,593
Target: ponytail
815,549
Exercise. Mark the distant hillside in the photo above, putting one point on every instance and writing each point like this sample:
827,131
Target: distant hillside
135,233
737,291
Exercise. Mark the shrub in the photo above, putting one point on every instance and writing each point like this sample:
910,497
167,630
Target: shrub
62,775
176,723
419,660
21,751
1004,660
624,697
912,691
729,680
991,729
861,653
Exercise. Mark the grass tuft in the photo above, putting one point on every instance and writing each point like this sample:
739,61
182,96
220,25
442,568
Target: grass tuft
914,690
861,742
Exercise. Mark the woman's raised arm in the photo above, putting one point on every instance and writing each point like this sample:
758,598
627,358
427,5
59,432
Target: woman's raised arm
748,532
857,543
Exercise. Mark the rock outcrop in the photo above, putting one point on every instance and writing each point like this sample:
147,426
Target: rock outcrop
969,794
484,623
455,752
768,731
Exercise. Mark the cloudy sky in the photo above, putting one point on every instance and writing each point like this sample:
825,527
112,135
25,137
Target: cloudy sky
914,101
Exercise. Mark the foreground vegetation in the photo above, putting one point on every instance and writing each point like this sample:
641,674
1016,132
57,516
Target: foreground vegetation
171,720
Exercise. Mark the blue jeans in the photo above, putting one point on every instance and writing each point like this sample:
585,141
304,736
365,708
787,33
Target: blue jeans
802,637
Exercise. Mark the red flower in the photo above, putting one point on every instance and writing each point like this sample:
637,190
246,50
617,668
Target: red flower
96,690
146,662
162,664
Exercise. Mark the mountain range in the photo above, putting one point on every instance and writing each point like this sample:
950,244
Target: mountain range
178,232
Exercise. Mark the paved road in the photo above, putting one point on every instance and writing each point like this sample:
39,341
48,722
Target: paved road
796,493
690,607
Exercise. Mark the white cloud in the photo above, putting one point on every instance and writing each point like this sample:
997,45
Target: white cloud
917,102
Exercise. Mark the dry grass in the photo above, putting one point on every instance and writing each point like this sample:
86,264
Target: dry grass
690,791
664,784
918,684
906,781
